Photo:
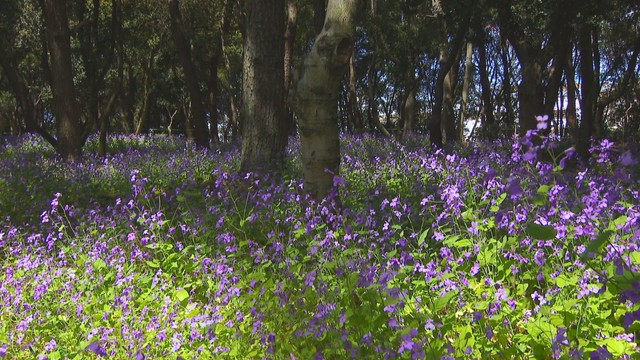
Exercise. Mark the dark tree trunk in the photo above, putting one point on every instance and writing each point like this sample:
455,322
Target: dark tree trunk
319,12
488,120
448,56
198,119
145,110
448,117
262,111
213,94
589,91
66,107
572,117
19,87
506,88
355,115
530,93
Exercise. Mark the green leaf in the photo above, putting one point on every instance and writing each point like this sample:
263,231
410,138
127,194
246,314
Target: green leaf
540,232
596,245
564,280
181,295
485,257
616,347
152,264
541,331
423,237
543,189
463,243
169,259
441,302
620,221
99,264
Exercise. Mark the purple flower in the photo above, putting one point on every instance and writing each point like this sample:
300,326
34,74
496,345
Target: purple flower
601,354
96,349
630,318
140,355
542,122
539,257
3,350
626,159
561,337
489,332
310,278
50,346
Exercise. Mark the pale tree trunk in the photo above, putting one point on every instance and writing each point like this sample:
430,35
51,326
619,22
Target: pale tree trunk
316,97
468,73
262,112
289,41
67,110
145,110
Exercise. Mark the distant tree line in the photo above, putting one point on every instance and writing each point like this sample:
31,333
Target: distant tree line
223,70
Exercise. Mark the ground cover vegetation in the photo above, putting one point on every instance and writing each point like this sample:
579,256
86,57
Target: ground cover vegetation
510,249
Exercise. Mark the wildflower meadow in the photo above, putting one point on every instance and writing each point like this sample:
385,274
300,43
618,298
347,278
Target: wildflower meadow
505,250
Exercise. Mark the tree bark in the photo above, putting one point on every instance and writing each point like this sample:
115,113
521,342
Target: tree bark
316,97
488,119
289,41
448,56
263,141
355,116
19,87
530,93
66,108
145,110
572,117
448,117
198,122
468,74
589,91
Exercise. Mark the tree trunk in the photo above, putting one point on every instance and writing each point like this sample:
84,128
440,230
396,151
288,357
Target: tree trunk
409,110
507,91
355,116
448,55
289,41
213,94
198,120
448,117
589,92
372,83
66,107
488,119
316,97
262,112
21,91
145,110
468,73
572,117
530,94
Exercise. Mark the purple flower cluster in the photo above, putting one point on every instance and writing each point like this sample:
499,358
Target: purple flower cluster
417,254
